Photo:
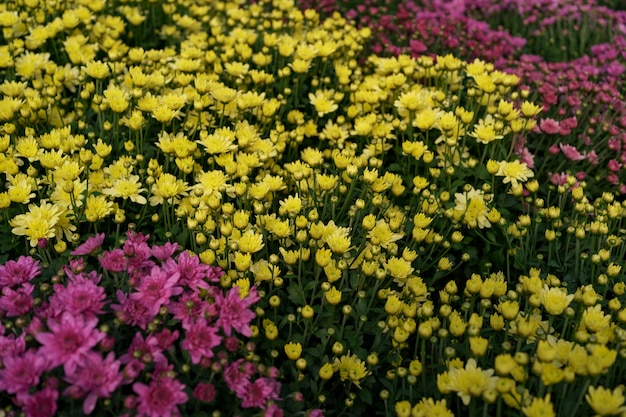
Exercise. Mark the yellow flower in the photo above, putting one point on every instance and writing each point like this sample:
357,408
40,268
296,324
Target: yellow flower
220,141
514,172
594,319
322,102
470,206
428,407
338,241
399,268
167,188
326,371
293,350
382,235
38,223
117,98
606,402
470,381
127,188
350,368
250,242
485,132
333,296
555,300
539,407
290,205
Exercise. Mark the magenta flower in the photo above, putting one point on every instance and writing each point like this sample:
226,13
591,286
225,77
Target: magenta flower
193,273
236,378
97,378
549,126
40,404
204,391
143,350
164,252
273,410
571,152
200,339
91,245
114,260
234,312
68,341
188,306
259,393
22,372
17,302
78,298
18,272
11,345
161,398
132,311
155,290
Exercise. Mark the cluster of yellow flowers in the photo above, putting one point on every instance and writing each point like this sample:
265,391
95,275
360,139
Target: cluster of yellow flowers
343,186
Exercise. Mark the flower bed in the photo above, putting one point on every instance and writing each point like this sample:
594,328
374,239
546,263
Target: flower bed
240,209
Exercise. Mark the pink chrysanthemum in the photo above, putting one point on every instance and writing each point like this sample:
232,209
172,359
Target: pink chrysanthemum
22,372
91,245
260,392
97,378
164,252
204,391
114,260
68,341
161,398
132,311
234,312
78,298
11,345
146,350
200,339
40,404
188,307
18,272
192,272
155,290
17,302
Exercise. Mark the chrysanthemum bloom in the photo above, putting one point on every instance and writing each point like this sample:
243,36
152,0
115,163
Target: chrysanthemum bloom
428,407
80,297
38,223
605,402
260,392
293,350
18,272
97,378
22,372
322,102
160,398
470,381
233,312
471,208
199,340
514,172
41,403
92,244
539,407
68,341
350,368
155,289
127,188
167,188
17,302
555,300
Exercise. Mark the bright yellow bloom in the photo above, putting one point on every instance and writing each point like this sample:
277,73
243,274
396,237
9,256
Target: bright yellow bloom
250,242
471,208
167,188
350,368
38,223
606,402
322,103
127,188
539,407
514,172
293,350
470,381
555,300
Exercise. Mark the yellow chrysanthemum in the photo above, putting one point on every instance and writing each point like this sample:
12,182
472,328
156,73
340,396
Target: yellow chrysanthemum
38,223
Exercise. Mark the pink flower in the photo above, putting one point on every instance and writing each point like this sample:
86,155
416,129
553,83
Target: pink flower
559,178
143,350
614,165
97,378
22,372
69,341
613,179
592,157
155,290
132,311
160,398
527,158
571,152
114,260
614,144
236,378
188,307
92,244
165,252
78,298
18,272
204,392
234,312
259,393
193,273
549,126
40,404
11,345
17,302
273,410
200,339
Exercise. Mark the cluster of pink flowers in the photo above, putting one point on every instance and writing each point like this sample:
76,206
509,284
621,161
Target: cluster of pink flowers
152,334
